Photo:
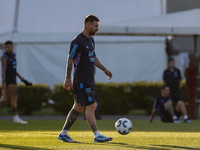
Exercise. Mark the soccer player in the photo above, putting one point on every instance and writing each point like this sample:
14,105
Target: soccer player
163,105
172,78
9,84
83,56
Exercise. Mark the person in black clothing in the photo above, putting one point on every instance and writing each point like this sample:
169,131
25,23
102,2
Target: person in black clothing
163,105
172,78
9,84
82,56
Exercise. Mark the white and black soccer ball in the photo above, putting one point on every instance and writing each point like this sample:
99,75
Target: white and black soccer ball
123,126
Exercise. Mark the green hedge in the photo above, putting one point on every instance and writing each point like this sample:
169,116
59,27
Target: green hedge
63,100
115,98
120,98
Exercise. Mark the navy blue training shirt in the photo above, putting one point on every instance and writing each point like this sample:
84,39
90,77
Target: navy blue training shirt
159,104
172,79
83,54
11,65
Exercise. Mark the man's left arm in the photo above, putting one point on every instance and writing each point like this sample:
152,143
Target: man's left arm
21,78
100,66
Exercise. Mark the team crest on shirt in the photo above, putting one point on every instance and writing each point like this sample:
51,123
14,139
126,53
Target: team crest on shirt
91,53
91,56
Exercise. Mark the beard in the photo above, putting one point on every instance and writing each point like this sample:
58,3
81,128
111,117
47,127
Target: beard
92,32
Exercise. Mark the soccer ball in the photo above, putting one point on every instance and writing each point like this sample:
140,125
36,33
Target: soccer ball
123,126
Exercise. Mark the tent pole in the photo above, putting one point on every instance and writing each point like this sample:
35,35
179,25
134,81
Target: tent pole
163,7
16,16
195,46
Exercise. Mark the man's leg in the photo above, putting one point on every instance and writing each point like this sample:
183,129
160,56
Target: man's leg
4,99
180,107
71,118
170,109
90,116
12,92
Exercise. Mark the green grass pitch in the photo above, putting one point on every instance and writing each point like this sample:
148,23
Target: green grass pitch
42,135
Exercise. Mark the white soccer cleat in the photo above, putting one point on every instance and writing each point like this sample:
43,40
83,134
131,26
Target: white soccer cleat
20,121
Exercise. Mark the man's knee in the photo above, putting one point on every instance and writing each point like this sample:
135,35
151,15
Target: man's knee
168,104
13,99
180,103
91,107
12,90
78,108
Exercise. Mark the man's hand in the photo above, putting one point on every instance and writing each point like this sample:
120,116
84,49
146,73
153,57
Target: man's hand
22,79
67,84
108,73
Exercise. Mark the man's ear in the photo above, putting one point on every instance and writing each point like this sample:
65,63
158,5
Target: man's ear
87,25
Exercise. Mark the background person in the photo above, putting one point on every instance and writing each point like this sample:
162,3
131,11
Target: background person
83,56
9,84
163,105
172,79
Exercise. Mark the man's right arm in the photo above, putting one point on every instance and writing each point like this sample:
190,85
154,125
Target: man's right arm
67,83
3,71
69,67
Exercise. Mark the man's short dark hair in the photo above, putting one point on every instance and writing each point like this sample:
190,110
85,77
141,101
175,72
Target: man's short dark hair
90,18
170,59
8,43
163,87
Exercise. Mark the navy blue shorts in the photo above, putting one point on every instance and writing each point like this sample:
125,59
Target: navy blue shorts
176,96
166,116
10,80
83,94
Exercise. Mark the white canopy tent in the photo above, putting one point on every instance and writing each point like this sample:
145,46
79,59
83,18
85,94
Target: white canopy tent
42,32
184,23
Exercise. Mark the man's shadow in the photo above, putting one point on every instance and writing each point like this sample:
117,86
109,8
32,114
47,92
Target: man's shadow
9,146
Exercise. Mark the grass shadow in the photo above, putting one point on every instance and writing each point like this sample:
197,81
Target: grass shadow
161,147
21,147
178,147
125,145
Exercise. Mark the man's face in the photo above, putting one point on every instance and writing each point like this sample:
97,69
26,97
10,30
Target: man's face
165,92
171,64
8,48
93,27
